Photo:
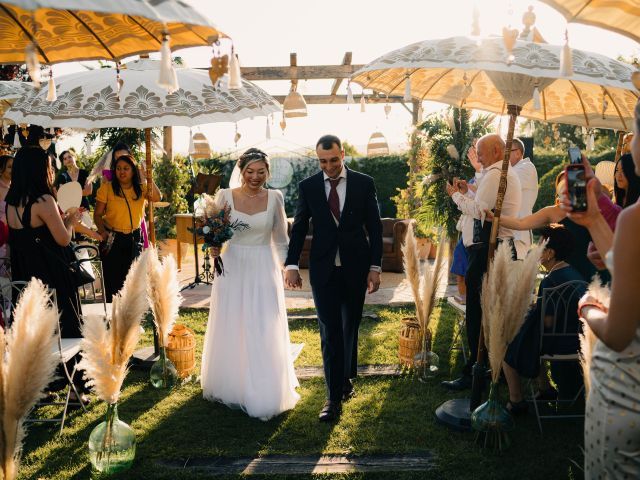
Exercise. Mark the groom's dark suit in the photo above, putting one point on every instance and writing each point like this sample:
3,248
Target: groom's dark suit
338,291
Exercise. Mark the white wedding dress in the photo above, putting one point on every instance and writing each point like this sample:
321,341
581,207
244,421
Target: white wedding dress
246,361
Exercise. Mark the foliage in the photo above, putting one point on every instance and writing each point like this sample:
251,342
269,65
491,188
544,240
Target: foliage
303,167
350,150
407,199
556,136
132,137
389,173
173,180
547,187
449,139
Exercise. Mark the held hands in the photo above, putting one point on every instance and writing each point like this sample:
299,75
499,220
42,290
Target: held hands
292,279
373,282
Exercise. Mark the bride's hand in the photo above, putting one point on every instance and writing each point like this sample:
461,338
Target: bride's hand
214,251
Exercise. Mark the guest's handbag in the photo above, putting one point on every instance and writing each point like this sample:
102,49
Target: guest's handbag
80,276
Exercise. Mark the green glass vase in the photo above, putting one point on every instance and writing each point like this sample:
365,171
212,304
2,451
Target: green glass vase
163,372
112,444
492,421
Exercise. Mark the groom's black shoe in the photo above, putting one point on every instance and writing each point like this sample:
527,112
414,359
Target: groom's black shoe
462,383
347,390
330,412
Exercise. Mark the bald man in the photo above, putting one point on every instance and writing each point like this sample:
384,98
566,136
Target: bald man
490,150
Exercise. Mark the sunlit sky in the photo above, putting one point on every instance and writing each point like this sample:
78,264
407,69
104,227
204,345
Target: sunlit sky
264,33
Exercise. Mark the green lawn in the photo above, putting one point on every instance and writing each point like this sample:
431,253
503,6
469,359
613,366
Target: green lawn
388,415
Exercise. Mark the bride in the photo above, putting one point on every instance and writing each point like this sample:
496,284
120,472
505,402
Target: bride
246,360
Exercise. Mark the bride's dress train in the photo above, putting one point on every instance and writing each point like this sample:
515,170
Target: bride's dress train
247,360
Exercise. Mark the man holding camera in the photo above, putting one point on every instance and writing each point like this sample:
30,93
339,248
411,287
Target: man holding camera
490,150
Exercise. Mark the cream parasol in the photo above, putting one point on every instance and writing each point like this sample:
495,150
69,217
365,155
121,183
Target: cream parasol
620,16
88,100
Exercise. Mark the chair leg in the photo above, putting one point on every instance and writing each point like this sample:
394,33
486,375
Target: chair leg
535,406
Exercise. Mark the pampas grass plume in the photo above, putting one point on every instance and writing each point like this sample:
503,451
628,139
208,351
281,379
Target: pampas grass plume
27,367
164,293
431,281
602,294
411,263
106,351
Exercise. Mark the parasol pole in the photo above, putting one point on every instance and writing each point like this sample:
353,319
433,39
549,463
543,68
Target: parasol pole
149,168
619,146
480,366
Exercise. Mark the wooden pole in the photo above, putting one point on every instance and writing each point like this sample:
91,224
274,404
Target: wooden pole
149,164
478,369
167,142
619,146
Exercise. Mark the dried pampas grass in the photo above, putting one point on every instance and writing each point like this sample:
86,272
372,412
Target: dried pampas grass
411,262
431,279
506,297
106,351
27,365
602,294
163,291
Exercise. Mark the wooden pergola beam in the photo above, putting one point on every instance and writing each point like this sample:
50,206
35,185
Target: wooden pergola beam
304,72
336,83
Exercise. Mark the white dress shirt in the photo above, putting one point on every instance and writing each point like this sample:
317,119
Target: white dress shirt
465,223
486,195
528,177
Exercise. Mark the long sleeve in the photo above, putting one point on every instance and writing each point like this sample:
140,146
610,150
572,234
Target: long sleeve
469,206
609,210
279,235
374,227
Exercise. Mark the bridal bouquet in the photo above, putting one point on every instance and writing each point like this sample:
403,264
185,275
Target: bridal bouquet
217,228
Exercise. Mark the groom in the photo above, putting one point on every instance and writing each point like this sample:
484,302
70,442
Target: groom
345,260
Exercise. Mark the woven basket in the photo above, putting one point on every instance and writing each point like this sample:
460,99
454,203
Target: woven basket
181,350
409,342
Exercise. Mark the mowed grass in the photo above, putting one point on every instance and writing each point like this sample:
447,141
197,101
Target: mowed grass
388,415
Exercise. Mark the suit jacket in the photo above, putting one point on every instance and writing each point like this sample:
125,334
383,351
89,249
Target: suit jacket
358,235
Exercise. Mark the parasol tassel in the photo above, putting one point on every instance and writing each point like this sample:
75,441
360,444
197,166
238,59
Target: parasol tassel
33,64
167,78
362,104
87,147
350,100
407,89
566,62
51,93
235,77
16,140
268,130
536,98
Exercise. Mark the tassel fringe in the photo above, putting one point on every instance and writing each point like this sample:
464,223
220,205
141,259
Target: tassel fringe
566,62
235,77
167,78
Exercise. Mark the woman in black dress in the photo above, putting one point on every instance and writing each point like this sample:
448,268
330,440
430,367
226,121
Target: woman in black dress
39,234
72,173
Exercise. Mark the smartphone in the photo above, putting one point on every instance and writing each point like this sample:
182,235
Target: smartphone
577,187
575,157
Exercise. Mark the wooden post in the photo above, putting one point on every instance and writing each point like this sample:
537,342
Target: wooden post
149,164
167,142
619,145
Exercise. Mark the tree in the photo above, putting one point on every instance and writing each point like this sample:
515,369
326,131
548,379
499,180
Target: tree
350,150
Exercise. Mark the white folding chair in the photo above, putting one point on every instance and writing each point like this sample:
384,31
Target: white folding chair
563,302
65,349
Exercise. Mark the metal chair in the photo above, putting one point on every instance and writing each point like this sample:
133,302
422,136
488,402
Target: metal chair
457,343
562,301
65,350
93,297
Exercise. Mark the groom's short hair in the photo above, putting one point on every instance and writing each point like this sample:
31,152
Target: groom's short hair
327,142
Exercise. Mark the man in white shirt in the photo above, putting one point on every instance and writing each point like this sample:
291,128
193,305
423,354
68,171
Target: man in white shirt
528,177
490,149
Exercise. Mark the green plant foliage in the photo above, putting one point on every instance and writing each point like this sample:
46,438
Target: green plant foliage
133,137
389,173
173,180
546,159
457,130
547,187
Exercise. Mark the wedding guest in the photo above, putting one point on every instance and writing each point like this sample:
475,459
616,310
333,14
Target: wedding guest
490,149
119,210
6,164
528,177
72,173
612,436
246,362
626,184
523,354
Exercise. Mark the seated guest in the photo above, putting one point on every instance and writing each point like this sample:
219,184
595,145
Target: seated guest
523,354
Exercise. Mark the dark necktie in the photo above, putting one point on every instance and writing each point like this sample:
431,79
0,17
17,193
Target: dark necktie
334,200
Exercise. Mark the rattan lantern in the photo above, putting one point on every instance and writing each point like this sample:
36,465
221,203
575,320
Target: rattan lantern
377,145
181,350
201,147
294,104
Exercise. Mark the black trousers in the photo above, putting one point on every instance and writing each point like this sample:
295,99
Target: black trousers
478,256
339,305
117,262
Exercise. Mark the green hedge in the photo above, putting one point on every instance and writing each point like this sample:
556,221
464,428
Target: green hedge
389,174
546,160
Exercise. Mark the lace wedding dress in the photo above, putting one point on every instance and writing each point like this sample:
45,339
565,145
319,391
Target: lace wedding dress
246,361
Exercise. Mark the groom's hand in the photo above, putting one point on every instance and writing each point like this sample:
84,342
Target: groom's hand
373,282
292,279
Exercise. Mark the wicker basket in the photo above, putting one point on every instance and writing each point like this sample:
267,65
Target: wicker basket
181,350
410,341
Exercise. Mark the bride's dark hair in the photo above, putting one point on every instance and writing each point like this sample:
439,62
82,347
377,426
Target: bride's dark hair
253,155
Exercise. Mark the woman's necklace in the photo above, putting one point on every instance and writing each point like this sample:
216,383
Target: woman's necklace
251,196
560,264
